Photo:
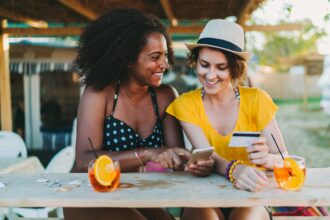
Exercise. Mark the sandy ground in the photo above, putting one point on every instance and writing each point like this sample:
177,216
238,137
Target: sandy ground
306,133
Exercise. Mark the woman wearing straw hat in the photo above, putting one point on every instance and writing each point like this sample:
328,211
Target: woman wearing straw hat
211,114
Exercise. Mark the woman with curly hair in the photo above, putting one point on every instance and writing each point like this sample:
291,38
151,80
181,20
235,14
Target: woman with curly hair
122,57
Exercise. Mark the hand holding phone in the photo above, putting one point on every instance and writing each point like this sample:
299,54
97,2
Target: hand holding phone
200,154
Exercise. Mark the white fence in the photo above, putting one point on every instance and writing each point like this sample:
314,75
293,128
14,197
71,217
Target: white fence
287,86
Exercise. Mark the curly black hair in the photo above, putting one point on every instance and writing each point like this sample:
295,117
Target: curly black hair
237,66
113,41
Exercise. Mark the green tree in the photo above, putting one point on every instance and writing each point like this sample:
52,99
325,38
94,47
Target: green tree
280,47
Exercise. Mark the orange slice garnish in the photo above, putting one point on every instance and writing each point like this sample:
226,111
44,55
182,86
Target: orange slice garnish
291,176
104,170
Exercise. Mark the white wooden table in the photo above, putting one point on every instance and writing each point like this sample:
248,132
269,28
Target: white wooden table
158,190
20,165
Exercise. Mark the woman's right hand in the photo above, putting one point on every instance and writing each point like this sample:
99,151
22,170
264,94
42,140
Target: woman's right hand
249,178
173,157
168,157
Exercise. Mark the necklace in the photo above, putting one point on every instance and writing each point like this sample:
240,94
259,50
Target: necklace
237,95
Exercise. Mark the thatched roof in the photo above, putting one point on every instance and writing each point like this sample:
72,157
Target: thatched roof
68,10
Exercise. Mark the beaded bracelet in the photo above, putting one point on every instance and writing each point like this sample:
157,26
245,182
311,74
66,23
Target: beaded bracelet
231,170
228,168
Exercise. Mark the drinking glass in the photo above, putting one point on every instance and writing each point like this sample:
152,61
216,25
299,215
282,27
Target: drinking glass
98,187
300,161
283,173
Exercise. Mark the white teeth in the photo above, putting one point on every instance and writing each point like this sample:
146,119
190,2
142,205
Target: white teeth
158,74
211,83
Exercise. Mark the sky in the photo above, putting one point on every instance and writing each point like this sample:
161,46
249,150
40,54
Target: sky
272,11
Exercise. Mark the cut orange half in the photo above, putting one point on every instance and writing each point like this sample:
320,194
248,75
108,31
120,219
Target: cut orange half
291,176
104,170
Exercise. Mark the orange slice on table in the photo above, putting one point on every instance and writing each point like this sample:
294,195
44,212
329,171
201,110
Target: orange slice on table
104,170
291,177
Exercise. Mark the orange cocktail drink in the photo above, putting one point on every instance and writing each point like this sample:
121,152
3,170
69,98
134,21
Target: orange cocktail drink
104,174
290,173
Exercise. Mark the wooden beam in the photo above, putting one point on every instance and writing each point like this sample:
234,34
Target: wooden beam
172,30
5,94
76,6
245,14
185,29
77,31
49,31
30,21
169,12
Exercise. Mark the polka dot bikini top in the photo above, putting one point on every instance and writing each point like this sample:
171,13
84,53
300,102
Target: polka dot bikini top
119,136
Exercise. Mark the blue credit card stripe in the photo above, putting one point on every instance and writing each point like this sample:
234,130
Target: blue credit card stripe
245,135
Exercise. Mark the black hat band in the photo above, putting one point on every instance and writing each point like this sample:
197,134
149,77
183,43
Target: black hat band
220,43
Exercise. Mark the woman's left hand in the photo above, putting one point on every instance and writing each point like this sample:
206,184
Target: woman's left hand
258,153
200,168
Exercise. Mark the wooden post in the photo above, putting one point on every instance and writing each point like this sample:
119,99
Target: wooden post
5,94
305,92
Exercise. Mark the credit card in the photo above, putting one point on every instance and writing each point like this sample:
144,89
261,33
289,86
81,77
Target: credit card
243,139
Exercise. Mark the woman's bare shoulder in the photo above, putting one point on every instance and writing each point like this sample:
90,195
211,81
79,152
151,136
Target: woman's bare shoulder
167,93
91,93
165,96
96,98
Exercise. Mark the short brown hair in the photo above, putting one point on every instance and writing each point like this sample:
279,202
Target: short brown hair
237,66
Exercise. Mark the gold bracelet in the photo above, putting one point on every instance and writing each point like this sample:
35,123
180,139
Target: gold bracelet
137,156
231,170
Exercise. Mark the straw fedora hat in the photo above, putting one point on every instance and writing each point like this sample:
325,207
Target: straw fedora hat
224,35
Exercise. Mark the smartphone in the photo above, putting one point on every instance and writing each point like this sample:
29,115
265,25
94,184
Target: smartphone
243,139
200,154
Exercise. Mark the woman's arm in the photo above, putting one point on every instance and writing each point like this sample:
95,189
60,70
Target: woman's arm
174,148
198,140
173,136
89,125
274,156
264,151
247,178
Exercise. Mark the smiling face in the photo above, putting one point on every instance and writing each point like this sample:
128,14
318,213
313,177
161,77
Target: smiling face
212,70
151,62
